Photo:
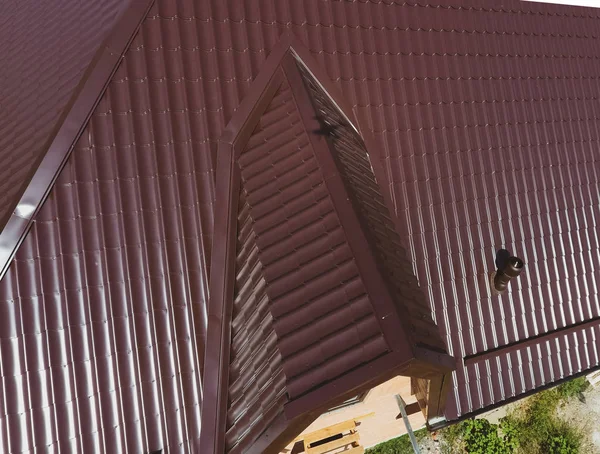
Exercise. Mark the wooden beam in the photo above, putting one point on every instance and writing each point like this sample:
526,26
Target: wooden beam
422,369
411,409
440,361
357,450
332,430
344,441
420,387
438,392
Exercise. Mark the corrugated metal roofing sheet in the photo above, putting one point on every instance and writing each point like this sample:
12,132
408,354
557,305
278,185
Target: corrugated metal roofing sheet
98,340
256,378
486,120
464,98
324,321
102,332
361,183
485,117
45,49
302,315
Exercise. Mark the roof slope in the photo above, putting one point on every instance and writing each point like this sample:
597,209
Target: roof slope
103,306
98,347
324,321
256,386
305,272
303,305
360,180
58,60
485,121
45,51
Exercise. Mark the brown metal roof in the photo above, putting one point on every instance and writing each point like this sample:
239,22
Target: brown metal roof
102,308
360,180
58,59
302,309
484,120
46,49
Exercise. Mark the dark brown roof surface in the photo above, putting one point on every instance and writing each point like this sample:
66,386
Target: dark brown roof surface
297,302
46,48
102,308
56,59
484,118
361,183
325,324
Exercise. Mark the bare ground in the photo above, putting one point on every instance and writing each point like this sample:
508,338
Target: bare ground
586,417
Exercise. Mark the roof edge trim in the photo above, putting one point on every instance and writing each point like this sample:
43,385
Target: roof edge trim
363,377
512,399
394,332
251,107
216,364
531,341
215,378
74,120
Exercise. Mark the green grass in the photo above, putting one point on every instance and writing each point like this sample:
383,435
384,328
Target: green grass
572,388
531,428
536,428
400,445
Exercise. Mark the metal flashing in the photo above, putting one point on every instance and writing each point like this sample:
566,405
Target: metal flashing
73,121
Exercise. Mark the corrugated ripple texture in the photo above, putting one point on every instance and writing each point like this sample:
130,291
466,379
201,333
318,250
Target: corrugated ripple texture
256,379
101,332
322,317
488,122
355,168
486,119
45,47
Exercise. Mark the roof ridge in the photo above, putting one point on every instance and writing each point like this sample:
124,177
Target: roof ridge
74,119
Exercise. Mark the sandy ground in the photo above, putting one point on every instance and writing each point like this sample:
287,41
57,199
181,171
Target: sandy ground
586,416
429,446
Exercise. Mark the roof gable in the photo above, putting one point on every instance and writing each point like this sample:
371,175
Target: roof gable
357,172
302,303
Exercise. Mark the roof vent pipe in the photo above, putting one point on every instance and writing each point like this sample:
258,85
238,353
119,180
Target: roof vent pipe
508,267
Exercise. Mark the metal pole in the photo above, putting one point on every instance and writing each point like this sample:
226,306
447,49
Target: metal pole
411,435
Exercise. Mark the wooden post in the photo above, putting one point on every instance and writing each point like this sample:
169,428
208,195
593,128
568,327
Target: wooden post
411,434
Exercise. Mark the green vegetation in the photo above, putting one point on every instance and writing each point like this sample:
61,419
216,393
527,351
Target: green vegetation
478,436
573,388
400,445
533,428
451,439
482,437
536,429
